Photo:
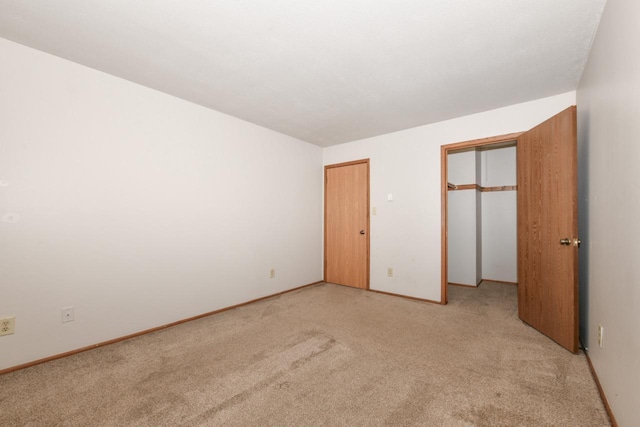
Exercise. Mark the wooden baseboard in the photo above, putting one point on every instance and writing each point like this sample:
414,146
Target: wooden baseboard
146,331
405,296
387,293
607,408
463,285
499,281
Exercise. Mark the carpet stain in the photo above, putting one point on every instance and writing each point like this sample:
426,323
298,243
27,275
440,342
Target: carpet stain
283,385
265,374
493,416
271,309
416,402
151,409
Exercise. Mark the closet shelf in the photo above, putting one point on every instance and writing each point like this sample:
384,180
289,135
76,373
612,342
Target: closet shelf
454,187
500,188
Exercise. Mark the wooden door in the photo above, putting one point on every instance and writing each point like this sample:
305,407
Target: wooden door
346,227
547,215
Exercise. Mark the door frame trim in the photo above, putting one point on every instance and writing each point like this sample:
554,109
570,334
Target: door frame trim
337,165
444,204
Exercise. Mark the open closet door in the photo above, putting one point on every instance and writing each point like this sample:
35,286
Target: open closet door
548,229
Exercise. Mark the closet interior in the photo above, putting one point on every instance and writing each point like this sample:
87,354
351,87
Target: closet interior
482,215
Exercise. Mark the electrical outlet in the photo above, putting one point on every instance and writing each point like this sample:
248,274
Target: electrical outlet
600,336
67,314
272,273
8,325
390,271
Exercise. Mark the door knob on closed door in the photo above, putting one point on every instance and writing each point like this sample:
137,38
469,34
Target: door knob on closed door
565,241
361,231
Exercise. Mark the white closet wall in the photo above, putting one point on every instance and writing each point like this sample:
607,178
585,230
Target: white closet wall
499,216
465,265
479,215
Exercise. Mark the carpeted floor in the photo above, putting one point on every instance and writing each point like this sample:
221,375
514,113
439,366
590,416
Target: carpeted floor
323,355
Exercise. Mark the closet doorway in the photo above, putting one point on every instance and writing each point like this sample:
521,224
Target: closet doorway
547,224
482,215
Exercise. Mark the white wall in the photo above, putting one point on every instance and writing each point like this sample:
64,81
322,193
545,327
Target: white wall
463,230
137,208
406,232
499,216
479,230
462,167
608,131
464,257
498,167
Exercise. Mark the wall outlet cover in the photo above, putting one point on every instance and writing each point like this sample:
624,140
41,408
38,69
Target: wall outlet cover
7,325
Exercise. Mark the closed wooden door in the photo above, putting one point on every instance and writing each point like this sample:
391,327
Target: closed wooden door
346,238
548,229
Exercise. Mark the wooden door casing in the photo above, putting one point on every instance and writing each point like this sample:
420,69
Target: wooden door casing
346,250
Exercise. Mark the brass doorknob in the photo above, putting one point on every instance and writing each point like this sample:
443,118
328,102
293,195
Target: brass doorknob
565,241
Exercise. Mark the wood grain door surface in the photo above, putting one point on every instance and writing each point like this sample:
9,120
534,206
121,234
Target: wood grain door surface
548,213
347,224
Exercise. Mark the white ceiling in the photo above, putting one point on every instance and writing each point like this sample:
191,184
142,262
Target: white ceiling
327,71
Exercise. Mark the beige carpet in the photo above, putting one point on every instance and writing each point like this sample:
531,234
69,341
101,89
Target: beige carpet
324,355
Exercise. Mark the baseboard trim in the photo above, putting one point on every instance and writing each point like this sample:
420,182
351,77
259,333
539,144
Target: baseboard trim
607,408
499,281
387,293
146,331
405,296
480,283
462,285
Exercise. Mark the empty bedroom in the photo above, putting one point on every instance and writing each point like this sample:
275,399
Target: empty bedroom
319,213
